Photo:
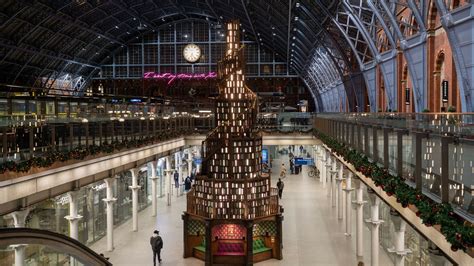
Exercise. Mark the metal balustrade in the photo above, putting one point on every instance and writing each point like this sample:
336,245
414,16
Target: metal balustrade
432,152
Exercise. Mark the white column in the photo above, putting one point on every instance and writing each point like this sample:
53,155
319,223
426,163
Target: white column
399,237
324,169
328,174
154,191
334,173
359,203
375,223
73,217
19,219
110,200
134,187
339,202
190,162
348,191
168,173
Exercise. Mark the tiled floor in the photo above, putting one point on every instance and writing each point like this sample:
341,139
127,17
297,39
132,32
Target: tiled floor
312,234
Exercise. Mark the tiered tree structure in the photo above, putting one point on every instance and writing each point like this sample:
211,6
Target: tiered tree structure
233,216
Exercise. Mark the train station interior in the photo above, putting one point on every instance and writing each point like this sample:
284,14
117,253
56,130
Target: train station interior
236,132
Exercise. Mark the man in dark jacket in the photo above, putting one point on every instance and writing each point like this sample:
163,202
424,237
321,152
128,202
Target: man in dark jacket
280,186
156,245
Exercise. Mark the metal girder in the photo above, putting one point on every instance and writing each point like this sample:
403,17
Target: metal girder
26,50
388,33
417,15
290,6
465,85
250,22
348,40
418,92
76,24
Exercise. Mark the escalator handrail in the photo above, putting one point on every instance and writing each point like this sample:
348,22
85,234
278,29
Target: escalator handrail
59,242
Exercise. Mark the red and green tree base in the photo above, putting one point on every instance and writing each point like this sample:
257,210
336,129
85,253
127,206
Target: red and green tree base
453,227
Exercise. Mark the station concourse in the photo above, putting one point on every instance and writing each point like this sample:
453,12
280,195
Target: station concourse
227,132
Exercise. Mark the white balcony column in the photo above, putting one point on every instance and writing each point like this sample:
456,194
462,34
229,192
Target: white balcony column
339,199
154,189
169,184
359,204
73,217
324,168
190,162
375,222
19,220
334,173
178,166
110,200
328,175
348,190
319,166
135,188
399,246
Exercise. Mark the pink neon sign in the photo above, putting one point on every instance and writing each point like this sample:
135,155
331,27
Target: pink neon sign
170,77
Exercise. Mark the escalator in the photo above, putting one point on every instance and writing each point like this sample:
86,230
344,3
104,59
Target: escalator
19,239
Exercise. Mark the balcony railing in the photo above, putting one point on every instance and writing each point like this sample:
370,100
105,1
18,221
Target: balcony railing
31,141
432,152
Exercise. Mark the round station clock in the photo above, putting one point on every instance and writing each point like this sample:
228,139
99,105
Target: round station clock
192,53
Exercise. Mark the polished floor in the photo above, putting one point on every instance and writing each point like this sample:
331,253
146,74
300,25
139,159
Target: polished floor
312,234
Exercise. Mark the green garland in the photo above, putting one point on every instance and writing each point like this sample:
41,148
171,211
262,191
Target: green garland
81,152
452,226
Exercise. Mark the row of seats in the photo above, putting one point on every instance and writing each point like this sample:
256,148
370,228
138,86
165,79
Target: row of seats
234,248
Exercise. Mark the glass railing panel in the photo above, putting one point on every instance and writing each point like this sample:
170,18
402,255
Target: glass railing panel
431,165
380,143
370,140
461,175
392,151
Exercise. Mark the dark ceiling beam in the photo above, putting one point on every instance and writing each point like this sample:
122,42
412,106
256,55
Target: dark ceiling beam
30,51
213,12
290,6
70,20
250,22
180,9
120,4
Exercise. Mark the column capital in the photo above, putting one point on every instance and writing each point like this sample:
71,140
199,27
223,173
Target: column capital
19,217
18,246
357,182
72,195
134,172
373,198
109,181
398,222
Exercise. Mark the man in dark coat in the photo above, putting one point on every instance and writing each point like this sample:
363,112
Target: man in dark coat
156,245
280,186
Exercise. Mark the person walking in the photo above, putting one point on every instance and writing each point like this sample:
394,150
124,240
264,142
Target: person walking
156,243
280,186
176,179
282,171
187,184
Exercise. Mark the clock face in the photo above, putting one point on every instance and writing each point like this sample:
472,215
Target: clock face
192,53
